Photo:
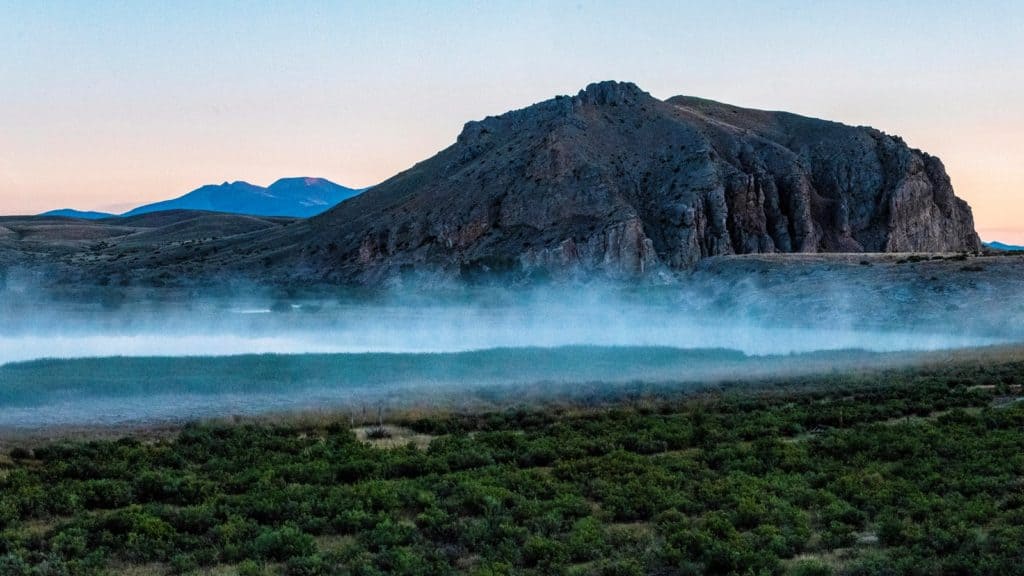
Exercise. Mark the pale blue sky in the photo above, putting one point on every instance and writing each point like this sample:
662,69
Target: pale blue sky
119,103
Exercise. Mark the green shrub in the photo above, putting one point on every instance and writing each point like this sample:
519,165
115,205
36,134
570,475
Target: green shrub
14,565
543,553
586,540
252,568
627,567
283,544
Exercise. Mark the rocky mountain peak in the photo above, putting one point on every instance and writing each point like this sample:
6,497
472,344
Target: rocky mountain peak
612,93
616,182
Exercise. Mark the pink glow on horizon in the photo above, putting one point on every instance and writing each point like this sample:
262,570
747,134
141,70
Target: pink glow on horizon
111,105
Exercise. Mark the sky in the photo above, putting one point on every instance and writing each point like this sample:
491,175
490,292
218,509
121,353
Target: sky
108,105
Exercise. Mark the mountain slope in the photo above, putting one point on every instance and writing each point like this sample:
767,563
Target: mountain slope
294,197
617,182
80,214
1006,247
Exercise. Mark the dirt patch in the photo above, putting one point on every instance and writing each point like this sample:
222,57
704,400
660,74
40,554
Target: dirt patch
636,529
835,559
39,528
151,569
333,542
389,436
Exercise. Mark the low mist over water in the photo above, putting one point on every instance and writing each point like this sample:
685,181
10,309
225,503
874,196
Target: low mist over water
190,357
427,331
408,322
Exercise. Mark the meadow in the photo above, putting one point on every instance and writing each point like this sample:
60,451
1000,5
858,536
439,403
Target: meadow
899,471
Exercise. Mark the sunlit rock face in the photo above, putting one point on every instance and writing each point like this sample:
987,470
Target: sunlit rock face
618,182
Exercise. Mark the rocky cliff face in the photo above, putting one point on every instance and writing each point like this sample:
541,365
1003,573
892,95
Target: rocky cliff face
615,181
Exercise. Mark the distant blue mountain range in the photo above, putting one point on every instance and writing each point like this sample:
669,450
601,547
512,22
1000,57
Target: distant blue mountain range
295,197
1001,246
80,214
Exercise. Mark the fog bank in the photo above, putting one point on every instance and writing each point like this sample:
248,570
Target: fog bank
440,344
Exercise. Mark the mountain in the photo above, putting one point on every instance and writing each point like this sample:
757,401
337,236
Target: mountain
80,214
616,182
1006,247
294,197
611,182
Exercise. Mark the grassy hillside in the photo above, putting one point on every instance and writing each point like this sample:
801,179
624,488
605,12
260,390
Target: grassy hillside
916,472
